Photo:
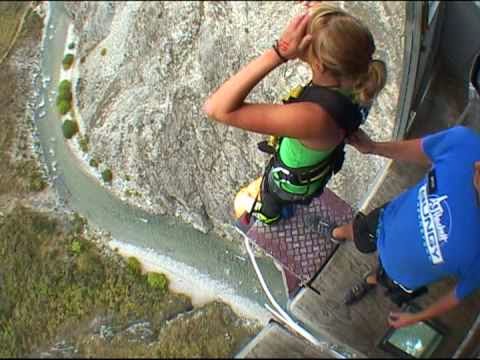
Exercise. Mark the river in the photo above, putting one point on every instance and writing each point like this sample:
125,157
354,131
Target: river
201,265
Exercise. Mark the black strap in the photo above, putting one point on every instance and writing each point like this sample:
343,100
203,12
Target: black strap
345,113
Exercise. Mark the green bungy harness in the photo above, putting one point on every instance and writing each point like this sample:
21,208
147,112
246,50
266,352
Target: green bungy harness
296,173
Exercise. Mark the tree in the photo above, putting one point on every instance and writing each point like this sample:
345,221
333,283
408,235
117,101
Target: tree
64,106
67,61
69,128
107,175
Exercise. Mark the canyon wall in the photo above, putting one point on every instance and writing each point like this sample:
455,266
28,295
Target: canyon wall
145,69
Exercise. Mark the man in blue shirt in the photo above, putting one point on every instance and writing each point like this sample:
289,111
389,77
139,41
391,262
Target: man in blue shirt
429,232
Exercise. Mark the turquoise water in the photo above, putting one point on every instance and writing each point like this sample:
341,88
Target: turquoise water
217,259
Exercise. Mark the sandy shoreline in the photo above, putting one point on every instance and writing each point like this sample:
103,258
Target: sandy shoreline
183,278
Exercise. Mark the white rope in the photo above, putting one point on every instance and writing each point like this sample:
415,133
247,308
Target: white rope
279,312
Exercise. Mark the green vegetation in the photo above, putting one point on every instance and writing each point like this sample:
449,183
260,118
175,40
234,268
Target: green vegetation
212,331
107,175
68,61
52,279
94,163
103,52
64,88
71,46
28,170
64,106
76,247
64,97
134,265
69,128
84,141
55,282
78,223
130,192
157,281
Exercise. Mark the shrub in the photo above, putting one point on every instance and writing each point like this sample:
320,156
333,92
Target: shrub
83,142
76,247
103,52
63,106
107,175
37,183
67,61
134,265
78,223
66,96
130,192
69,128
157,281
94,163
64,85
71,46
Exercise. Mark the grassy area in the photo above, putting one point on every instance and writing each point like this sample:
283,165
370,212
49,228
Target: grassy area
23,175
212,331
55,282
51,277
10,15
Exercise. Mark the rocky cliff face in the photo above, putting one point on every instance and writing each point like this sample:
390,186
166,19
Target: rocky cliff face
140,99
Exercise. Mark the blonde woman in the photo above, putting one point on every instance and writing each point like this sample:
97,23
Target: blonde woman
315,120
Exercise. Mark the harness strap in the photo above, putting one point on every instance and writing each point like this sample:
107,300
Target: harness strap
348,115
305,175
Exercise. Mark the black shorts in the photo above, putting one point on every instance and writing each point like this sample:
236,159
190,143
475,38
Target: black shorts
365,238
365,230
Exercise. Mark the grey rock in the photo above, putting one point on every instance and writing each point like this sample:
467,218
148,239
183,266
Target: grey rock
141,101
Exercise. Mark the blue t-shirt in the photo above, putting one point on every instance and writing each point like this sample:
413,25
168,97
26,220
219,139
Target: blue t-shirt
426,237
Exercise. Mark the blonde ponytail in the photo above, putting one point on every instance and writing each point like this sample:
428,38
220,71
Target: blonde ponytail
345,47
369,85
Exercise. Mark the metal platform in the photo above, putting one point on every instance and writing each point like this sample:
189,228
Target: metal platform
300,243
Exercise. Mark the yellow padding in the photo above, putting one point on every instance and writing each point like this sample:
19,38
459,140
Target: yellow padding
293,93
245,198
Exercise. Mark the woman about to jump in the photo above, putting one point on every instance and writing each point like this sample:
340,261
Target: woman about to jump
311,126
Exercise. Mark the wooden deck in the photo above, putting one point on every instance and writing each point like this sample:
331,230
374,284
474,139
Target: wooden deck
321,307
359,328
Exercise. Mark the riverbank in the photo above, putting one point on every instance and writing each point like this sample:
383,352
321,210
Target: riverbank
60,283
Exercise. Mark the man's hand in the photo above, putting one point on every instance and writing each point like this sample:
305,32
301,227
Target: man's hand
398,320
441,306
360,141
476,180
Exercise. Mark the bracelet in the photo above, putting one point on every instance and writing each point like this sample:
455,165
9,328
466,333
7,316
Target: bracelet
275,47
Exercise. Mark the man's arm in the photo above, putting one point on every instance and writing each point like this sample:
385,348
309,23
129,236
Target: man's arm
446,303
406,150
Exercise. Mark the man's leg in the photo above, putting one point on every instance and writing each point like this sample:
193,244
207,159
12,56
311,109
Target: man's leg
362,288
344,232
363,231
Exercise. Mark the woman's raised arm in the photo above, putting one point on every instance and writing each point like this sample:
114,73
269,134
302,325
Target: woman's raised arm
227,104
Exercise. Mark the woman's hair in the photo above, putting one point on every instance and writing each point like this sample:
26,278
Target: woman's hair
345,47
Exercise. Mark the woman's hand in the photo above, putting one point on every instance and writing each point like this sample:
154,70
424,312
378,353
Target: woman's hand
294,39
360,141
310,4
